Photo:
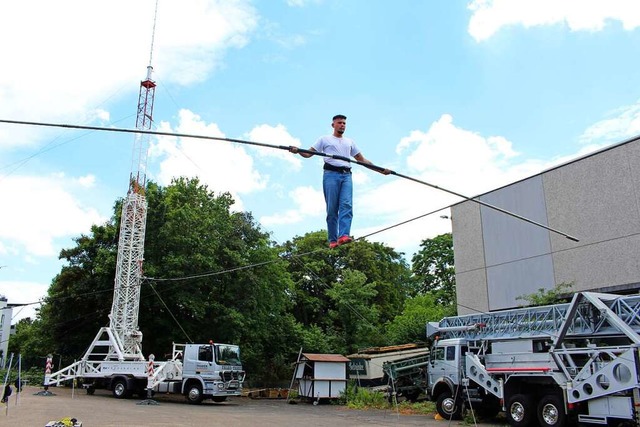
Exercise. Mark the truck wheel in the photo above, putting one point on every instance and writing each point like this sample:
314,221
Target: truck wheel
447,407
120,390
520,410
194,394
551,411
219,399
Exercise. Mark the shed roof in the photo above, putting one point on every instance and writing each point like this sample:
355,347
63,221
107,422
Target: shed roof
389,348
315,357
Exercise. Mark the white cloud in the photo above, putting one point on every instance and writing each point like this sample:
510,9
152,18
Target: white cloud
460,155
308,201
43,210
223,166
302,3
291,41
192,36
87,181
93,51
272,31
18,292
279,136
444,158
624,123
360,176
490,16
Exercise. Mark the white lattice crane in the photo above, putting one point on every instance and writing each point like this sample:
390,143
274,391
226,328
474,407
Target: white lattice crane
122,340
126,292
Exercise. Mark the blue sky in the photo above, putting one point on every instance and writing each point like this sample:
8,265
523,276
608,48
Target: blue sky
466,94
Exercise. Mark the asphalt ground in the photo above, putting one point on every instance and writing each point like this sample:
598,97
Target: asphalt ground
103,410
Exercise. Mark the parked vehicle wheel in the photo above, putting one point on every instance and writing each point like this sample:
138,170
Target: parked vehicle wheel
90,390
520,410
194,393
447,407
551,411
219,399
120,390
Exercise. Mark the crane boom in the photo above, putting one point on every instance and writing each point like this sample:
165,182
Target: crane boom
544,321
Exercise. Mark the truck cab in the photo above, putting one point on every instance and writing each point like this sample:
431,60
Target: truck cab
447,359
211,371
447,380
446,365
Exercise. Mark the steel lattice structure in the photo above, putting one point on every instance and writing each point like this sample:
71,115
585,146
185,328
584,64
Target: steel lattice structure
575,318
126,295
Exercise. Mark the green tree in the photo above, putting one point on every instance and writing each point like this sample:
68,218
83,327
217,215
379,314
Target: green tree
433,267
410,326
558,294
210,274
29,343
79,299
354,313
348,292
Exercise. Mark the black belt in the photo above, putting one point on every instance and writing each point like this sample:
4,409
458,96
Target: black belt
330,167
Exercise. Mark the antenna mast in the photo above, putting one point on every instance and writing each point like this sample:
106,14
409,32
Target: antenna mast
126,294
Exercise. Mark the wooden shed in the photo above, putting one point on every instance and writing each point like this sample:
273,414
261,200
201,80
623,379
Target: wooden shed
321,376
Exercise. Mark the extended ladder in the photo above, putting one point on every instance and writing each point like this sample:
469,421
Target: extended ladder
589,314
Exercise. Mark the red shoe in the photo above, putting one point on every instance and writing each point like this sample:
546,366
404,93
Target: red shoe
344,239
333,245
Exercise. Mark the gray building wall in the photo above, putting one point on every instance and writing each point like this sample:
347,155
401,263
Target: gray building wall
595,198
5,330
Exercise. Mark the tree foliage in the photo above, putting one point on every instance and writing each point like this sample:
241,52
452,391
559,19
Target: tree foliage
30,341
410,326
433,266
433,291
558,294
211,273
349,293
79,298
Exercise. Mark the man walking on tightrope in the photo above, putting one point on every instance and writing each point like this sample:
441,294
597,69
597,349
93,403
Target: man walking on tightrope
336,181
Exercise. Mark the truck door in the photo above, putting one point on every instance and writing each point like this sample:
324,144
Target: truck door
445,363
451,367
436,370
205,360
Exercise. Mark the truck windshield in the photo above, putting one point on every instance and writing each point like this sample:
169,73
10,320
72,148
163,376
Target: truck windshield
228,355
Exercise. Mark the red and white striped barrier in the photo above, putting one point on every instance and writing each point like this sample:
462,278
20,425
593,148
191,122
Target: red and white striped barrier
150,372
47,371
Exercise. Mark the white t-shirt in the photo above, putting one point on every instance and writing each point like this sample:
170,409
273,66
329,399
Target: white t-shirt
332,145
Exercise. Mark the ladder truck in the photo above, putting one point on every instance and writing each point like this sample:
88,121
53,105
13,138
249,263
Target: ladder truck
114,360
546,366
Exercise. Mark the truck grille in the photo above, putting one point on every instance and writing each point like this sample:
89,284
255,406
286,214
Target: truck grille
232,375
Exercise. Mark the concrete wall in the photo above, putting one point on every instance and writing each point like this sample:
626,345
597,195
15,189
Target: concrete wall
595,199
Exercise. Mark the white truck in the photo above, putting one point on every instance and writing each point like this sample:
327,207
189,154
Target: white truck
544,366
198,371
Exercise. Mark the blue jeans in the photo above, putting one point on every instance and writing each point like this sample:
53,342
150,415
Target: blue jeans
338,194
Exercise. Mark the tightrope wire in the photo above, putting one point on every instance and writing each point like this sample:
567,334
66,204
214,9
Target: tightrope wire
299,150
